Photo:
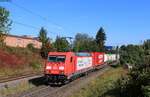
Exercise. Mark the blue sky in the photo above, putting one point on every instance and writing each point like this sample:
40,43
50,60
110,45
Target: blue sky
124,21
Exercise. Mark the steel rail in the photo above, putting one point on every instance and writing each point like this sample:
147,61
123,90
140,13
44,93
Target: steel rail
13,78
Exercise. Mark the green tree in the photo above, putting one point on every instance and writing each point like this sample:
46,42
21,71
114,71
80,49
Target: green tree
61,45
147,44
132,54
100,39
43,36
46,45
46,48
146,47
84,43
5,23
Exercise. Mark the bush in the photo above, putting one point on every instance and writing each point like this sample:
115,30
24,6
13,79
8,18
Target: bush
22,56
33,64
136,83
30,47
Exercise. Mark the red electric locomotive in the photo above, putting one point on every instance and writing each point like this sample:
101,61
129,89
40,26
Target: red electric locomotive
63,66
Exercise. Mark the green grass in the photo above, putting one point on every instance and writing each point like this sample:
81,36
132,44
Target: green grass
101,84
4,72
9,91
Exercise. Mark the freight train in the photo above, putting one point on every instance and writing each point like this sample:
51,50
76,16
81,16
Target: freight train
62,67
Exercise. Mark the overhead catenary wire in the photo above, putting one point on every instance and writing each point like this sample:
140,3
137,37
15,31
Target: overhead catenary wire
38,15
56,25
26,25
30,26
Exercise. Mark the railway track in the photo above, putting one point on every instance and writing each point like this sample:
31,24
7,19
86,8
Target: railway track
63,91
17,77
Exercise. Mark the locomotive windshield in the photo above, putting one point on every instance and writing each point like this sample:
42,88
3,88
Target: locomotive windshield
55,58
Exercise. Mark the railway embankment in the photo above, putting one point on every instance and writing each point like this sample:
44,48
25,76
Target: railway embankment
100,86
94,84
37,88
16,61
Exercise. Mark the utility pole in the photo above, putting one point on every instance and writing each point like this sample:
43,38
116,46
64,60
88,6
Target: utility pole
118,54
70,40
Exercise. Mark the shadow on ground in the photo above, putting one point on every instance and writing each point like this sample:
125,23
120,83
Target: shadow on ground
42,81
38,81
111,93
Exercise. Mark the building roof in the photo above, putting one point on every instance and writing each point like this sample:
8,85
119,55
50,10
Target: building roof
24,37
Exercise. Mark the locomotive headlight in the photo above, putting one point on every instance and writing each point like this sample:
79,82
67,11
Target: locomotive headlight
48,67
61,68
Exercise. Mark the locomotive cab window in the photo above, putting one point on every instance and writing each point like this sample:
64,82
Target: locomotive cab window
55,58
